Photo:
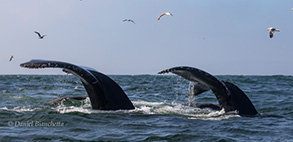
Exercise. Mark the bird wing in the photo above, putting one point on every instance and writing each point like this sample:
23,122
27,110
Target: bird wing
38,34
271,34
161,16
132,21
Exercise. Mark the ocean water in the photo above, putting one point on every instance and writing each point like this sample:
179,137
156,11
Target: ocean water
159,115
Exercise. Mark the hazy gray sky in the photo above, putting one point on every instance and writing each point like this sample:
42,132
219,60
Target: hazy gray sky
220,37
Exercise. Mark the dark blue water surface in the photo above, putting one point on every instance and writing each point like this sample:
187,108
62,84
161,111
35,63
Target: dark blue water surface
159,115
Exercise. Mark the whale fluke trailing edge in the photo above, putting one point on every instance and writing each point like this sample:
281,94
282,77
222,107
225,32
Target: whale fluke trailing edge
104,93
229,96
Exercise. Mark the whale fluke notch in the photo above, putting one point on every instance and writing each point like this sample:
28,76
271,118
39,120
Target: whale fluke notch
104,93
229,96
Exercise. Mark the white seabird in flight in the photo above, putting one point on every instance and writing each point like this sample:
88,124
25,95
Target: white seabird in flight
166,13
272,31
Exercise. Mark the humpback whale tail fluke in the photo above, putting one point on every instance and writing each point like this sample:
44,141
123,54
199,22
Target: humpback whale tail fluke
104,93
229,96
240,101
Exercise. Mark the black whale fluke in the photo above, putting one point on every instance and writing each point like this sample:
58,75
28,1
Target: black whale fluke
229,96
104,93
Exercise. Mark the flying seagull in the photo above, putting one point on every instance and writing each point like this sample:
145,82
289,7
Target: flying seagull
272,31
10,58
40,36
166,13
128,20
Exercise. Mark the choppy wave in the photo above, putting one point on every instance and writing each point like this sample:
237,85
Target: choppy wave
20,109
140,107
158,113
145,107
